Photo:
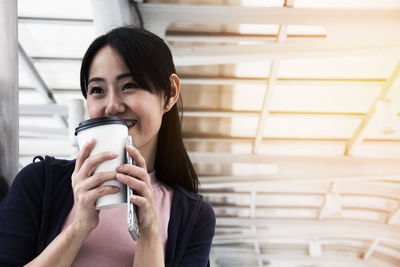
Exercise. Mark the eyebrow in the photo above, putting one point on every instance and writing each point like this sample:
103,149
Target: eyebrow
119,77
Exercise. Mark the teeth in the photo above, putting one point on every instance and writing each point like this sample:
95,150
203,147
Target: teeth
131,123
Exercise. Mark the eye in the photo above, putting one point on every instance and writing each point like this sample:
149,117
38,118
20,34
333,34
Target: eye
130,85
95,90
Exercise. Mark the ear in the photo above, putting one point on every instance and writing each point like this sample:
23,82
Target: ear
175,89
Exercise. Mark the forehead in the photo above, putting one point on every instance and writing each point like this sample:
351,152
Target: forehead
107,64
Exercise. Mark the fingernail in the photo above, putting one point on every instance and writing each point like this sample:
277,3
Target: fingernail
131,147
119,176
115,188
113,155
91,141
119,168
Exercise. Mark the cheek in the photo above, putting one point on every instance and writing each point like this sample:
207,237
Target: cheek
153,114
93,110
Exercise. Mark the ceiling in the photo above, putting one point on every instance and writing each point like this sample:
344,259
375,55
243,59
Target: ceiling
290,115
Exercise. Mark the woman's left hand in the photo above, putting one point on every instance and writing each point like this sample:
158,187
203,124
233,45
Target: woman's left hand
137,178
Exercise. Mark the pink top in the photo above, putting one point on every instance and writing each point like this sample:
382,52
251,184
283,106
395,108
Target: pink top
110,243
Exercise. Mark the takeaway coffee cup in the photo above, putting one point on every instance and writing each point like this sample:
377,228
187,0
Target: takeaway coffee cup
111,135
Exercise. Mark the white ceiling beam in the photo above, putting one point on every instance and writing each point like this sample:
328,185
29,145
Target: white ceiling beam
231,54
39,83
282,34
371,146
365,189
57,148
258,254
234,38
212,139
55,109
283,211
269,91
210,80
169,13
165,14
108,15
369,188
314,248
252,207
250,113
219,182
300,242
42,110
360,132
373,246
288,3
370,4
333,188
294,258
204,80
206,55
73,92
305,229
253,204
345,27
289,168
393,215
371,249
306,161
308,167
219,114
57,21
220,81
294,245
41,132
268,94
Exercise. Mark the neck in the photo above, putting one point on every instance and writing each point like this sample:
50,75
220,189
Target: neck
149,151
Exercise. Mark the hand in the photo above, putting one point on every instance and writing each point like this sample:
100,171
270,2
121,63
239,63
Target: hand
138,179
86,187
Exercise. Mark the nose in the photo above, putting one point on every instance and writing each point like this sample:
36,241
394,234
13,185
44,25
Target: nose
115,105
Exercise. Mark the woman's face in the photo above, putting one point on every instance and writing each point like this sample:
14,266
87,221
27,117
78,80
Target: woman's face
113,92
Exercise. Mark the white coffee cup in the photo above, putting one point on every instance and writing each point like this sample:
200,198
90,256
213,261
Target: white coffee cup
111,134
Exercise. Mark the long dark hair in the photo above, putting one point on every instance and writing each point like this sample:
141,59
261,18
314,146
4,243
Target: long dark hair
150,63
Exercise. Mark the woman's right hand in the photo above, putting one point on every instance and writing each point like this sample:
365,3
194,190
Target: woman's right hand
86,187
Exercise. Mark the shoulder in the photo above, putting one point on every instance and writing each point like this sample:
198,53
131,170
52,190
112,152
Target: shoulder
39,166
194,201
187,195
60,164
32,173
35,173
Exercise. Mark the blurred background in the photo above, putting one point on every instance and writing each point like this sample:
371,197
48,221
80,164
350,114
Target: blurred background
291,114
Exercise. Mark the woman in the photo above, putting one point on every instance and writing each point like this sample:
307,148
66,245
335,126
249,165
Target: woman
48,217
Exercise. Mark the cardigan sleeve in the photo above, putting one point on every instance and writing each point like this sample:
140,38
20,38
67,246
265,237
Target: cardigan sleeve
20,213
198,249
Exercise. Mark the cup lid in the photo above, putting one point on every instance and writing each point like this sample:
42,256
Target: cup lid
98,122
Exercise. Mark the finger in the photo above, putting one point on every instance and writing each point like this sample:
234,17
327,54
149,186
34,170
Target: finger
137,157
91,163
84,154
142,202
134,171
91,196
96,180
139,186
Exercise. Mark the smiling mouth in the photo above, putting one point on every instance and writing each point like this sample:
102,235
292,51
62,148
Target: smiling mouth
130,123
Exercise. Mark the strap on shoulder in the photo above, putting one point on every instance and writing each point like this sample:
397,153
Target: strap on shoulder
38,157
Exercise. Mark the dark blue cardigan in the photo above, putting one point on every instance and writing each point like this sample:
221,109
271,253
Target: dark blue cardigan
41,197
